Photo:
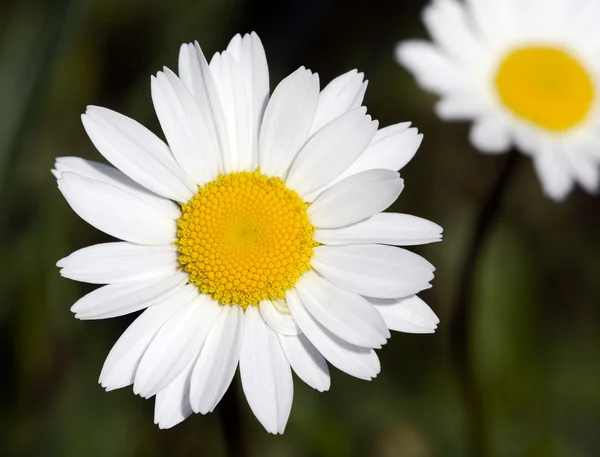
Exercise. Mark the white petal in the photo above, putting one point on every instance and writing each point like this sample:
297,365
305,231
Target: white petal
189,135
390,130
110,175
238,113
374,270
585,171
120,299
383,228
172,405
391,149
490,135
357,361
355,198
347,315
196,75
122,362
119,263
287,121
119,213
410,315
306,361
277,316
461,106
174,346
497,20
252,73
341,95
449,25
331,151
554,175
218,360
433,70
250,54
137,152
266,374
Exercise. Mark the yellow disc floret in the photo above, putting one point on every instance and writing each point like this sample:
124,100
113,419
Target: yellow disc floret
245,237
546,86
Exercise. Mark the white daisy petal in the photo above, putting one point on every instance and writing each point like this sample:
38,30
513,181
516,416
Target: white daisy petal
585,171
409,315
287,121
110,175
306,361
433,70
390,130
277,316
266,374
449,26
341,95
347,315
188,133
122,362
461,106
218,360
237,110
496,19
250,54
195,74
357,361
491,135
172,405
555,178
137,152
120,299
391,149
416,305
383,228
174,346
374,270
119,263
117,212
331,150
355,198
254,71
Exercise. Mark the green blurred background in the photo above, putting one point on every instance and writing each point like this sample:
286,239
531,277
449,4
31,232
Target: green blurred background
536,333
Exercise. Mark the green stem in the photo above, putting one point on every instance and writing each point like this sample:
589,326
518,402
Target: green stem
461,325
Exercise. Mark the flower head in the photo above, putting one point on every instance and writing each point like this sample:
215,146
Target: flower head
526,73
256,236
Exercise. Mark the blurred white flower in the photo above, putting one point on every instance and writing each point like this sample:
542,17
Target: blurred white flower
255,236
526,72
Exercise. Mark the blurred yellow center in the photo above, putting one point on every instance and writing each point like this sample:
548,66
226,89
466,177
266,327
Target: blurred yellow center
546,86
244,238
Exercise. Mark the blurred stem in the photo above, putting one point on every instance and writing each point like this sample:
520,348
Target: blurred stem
461,325
232,423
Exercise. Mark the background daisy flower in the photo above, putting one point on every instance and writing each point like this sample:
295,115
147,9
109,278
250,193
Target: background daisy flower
526,73
255,236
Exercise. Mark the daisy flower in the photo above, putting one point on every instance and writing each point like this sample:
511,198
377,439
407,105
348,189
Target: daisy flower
526,72
254,237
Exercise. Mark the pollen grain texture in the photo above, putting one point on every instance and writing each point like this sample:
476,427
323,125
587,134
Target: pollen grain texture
244,238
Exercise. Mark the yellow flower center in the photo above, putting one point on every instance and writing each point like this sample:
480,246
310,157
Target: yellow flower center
546,86
245,237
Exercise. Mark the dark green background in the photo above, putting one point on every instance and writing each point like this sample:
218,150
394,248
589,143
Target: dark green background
537,321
